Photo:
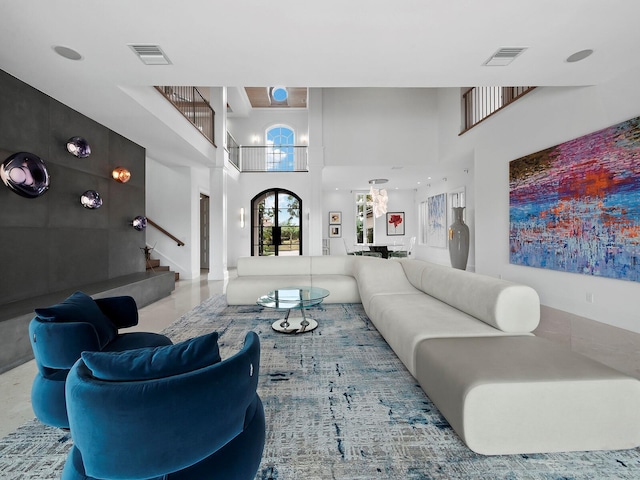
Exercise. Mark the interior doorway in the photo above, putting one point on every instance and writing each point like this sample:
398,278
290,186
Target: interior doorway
276,228
204,232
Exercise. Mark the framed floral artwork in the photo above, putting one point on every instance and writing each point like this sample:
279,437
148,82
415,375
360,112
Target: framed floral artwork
335,218
395,223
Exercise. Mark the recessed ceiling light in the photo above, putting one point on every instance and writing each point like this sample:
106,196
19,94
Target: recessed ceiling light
67,52
581,55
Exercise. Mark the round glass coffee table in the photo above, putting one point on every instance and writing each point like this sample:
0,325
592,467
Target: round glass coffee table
294,298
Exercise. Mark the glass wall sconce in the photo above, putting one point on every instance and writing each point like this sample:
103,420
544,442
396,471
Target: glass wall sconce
121,174
242,217
25,174
139,223
91,199
78,147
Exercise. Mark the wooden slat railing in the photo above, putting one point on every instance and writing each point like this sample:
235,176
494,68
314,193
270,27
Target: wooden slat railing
479,103
190,102
172,237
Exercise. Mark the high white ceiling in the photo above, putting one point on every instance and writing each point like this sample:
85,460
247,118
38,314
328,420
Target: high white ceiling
329,43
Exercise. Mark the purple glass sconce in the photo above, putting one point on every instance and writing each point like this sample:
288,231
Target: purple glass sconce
79,147
139,223
25,174
91,199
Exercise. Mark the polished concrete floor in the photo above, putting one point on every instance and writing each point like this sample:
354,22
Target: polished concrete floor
612,346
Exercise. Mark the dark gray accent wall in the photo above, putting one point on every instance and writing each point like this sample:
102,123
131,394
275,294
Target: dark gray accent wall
51,243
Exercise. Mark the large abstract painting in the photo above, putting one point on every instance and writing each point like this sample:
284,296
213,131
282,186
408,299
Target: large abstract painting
575,207
437,220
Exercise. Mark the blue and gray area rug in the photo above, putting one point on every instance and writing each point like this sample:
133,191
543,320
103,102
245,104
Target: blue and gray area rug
339,405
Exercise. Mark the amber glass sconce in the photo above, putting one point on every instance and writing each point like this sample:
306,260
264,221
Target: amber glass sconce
121,174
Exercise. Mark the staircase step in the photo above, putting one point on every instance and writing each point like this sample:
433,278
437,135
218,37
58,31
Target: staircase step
153,263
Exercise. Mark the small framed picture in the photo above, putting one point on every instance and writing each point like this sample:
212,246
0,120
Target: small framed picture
395,223
335,231
335,218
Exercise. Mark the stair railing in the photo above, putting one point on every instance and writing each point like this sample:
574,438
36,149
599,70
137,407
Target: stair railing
162,230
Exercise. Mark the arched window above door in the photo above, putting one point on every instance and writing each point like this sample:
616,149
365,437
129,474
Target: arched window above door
280,141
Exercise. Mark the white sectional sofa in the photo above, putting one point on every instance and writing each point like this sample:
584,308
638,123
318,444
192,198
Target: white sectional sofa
467,340
259,275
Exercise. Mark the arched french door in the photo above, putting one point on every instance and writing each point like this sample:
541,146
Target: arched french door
276,228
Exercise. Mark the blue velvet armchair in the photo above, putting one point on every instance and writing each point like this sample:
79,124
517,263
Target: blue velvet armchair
60,333
173,413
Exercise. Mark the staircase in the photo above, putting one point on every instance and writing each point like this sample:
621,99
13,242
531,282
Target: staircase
153,264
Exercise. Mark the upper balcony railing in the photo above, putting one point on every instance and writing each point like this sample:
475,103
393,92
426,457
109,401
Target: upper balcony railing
197,109
273,158
479,103
234,151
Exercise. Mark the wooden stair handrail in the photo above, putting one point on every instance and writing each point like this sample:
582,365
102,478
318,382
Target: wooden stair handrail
172,237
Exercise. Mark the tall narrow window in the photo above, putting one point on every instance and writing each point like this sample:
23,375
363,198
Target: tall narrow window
365,220
280,148
276,227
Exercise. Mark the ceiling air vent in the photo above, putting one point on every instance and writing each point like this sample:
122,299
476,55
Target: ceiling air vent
504,56
150,54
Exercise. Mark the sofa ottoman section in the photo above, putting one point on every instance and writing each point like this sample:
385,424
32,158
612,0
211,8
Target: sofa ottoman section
509,395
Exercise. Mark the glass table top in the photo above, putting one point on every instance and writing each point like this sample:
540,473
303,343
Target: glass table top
293,297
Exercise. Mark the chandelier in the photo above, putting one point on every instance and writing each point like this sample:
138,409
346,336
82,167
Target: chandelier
379,197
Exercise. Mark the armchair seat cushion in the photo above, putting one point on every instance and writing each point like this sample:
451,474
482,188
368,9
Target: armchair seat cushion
80,308
154,362
133,340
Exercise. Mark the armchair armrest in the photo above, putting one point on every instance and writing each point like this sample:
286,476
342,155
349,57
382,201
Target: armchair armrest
59,345
122,311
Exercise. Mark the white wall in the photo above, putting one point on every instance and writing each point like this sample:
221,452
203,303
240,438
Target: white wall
344,202
379,126
541,119
459,176
376,126
244,129
249,185
169,193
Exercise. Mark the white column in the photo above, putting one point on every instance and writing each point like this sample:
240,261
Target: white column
218,224
218,188
316,164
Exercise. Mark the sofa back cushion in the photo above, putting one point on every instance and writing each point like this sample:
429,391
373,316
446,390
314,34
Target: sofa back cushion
504,305
379,276
332,265
274,266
